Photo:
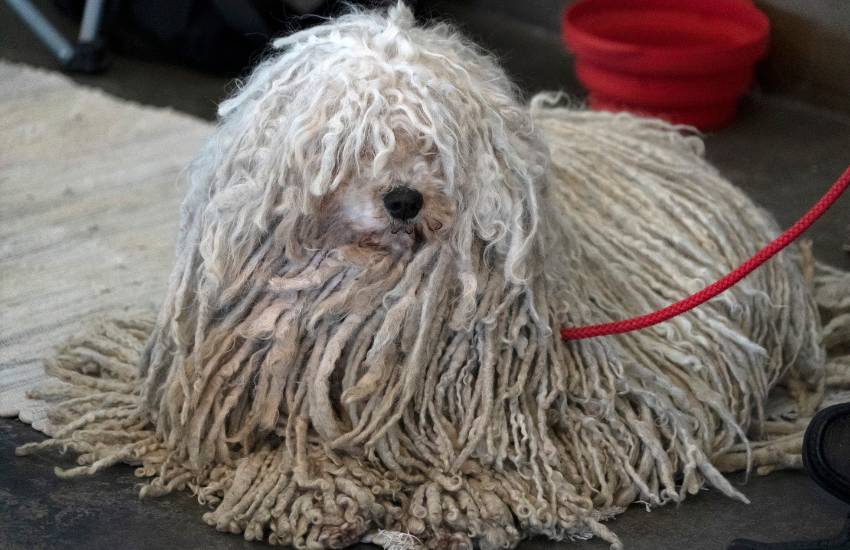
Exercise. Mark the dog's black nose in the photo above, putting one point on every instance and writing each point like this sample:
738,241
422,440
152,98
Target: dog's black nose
403,203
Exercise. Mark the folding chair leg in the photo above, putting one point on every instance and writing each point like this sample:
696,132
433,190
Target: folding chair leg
88,55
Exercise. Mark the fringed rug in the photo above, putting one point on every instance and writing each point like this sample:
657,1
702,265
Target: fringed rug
89,200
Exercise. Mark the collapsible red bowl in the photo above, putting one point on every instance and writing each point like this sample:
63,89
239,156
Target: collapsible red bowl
687,61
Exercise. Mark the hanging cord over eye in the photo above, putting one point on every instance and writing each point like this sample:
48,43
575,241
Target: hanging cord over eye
722,284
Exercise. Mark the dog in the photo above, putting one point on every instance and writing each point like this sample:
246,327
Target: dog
360,337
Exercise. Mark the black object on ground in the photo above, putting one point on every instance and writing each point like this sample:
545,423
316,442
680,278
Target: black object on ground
826,456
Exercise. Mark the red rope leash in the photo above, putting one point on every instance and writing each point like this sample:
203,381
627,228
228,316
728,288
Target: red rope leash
712,290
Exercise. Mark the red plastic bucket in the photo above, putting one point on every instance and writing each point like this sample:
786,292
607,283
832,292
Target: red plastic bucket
687,61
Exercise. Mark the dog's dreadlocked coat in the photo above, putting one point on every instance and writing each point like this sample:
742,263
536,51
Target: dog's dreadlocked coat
321,373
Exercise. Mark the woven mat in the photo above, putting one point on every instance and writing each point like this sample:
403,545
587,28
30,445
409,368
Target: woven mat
89,199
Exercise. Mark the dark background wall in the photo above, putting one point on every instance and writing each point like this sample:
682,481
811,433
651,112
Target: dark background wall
809,57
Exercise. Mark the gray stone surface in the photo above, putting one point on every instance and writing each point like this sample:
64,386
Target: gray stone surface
784,153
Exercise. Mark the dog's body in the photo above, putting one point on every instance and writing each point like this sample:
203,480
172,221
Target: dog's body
378,247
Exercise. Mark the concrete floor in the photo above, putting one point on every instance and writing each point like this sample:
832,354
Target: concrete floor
784,153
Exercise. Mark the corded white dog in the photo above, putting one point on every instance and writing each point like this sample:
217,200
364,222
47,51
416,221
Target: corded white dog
360,338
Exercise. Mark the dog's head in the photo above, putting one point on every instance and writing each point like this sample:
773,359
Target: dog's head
375,137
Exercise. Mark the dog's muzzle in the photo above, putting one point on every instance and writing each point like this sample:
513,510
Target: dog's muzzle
403,203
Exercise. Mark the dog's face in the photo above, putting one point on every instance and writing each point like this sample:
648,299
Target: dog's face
393,211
